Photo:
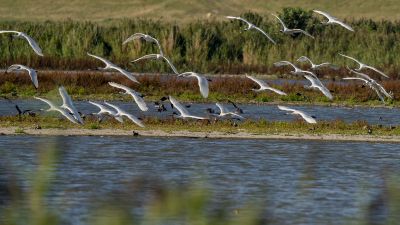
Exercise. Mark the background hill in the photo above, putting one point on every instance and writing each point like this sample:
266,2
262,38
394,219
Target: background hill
186,10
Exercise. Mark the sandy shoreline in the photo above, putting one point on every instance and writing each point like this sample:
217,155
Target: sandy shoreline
160,133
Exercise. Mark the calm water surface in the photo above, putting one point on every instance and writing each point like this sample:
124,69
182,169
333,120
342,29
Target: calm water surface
384,116
300,182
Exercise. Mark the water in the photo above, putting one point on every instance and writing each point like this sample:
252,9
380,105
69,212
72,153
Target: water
301,182
383,116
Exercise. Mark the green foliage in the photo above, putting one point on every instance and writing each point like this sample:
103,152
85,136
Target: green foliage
8,87
296,17
203,46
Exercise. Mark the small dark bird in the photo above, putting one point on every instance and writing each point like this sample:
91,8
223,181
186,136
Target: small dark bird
238,110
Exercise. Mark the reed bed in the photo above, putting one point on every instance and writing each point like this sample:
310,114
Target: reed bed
204,46
83,84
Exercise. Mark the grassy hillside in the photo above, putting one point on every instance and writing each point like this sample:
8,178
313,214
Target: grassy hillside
185,10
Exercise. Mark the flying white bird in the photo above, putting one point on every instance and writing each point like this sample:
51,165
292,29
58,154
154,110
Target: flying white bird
333,20
364,66
158,57
286,30
251,26
121,113
110,65
317,84
30,40
69,105
202,82
32,73
145,37
376,84
53,107
225,112
369,84
315,66
182,109
380,91
306,117
297,70
264,86
106,111
136,96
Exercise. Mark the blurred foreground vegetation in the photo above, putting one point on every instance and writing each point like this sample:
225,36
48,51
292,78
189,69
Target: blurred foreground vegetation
162,205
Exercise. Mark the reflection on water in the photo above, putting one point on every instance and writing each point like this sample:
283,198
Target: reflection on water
301,182
383,116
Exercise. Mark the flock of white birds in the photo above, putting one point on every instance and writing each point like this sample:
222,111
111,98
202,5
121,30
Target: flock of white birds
69,111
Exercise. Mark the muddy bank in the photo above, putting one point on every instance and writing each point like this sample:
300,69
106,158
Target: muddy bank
160,133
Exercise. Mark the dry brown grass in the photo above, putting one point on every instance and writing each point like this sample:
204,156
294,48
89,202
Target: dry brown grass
188,10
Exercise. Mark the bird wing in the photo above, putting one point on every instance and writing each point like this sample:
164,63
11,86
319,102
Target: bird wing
306,117
68,104
355,60
120,86
279,92
284,63
376,70
129,75
303,32
348,27
171,65
325,91
315,82
263,32
258,81
182,110
203,85
149,56
185,74
285,108
105,61
15,67
134,37
326,15
133,118
356,78
222,109
159,46
67,115
102,108
33,75
51,104
239,18
9,31
304,59
283,24
33,44
139,100
324,64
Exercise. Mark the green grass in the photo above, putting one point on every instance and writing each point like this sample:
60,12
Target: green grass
185,10
203,46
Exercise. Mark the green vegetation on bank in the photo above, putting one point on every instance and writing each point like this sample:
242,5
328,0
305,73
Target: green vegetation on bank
256,127
219,46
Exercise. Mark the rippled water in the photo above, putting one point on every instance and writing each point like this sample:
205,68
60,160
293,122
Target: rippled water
384,116
300,182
